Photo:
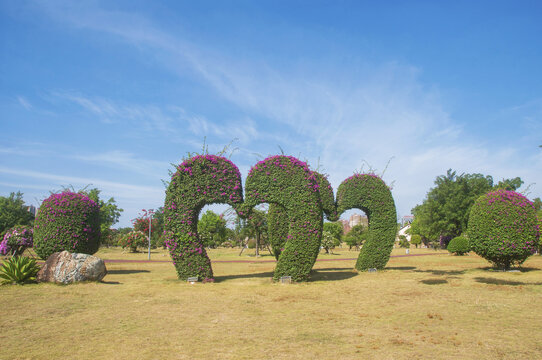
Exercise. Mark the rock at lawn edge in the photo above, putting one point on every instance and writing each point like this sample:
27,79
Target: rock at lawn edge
66,268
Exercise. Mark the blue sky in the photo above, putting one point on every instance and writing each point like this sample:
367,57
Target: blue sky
111,93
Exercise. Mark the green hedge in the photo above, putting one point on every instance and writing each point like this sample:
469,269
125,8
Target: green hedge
289,183
67,221
459,245
369,193
198,181
503,228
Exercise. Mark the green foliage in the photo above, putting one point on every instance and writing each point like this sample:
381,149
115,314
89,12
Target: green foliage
278,223
369,193
212,229
336,230
356,236
415,239
503,228
459,245
17,240
19,270
133,240
67,221
13,212
109,211
445,211
403,242
198,181
288,182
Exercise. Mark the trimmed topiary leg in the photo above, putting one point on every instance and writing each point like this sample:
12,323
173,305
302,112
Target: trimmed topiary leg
369,193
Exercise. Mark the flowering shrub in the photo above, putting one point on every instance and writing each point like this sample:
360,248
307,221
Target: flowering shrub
17,240
133,240
369,193
503,228
67,221
459,245
198,181
289,183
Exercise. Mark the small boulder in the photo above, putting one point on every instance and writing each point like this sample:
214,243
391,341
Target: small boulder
66,268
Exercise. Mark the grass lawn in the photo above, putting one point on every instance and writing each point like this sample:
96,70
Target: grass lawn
426,307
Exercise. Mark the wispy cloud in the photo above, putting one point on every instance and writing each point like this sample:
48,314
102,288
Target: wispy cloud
126,161
370,112
24,102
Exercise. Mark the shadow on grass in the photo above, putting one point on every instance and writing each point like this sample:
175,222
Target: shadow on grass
267,274
124,272
442,272
521,269
399,268
110,282
434,281
491,281
332,274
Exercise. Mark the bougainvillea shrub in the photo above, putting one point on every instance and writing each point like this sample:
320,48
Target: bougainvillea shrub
288,182
133,240
17,240
198,181
459,245
67,221
503,228
371,194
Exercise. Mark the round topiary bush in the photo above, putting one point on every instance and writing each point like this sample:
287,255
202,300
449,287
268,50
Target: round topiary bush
198,181
459,245
370,193
67,221
503,228
17,240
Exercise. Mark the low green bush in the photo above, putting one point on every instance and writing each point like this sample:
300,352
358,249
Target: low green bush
459,245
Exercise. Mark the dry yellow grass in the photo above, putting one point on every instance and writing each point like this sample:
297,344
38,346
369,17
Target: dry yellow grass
431,307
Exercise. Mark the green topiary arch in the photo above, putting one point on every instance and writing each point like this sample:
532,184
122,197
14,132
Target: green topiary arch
198,181
370,193
287,183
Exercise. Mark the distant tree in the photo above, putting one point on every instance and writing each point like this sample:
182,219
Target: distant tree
13,212
212,229
336,230
444,213
256,227
416,240
356,236
109,213
328,241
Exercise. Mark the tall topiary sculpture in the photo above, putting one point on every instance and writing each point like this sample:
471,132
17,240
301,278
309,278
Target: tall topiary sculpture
67,221
288,182
503,228
198,181
369,193
278,223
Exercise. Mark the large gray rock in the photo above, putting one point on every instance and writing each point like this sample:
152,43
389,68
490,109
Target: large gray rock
66,268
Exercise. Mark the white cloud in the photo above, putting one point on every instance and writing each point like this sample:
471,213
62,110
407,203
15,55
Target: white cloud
24,102
368,113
